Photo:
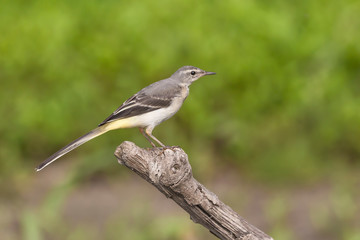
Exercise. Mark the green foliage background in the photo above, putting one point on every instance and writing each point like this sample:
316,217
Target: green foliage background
282,111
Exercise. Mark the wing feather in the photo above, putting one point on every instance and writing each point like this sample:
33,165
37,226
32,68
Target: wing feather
137,105
155,96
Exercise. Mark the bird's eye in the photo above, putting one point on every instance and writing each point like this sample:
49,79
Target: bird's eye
192,72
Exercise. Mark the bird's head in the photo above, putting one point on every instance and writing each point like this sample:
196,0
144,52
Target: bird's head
189,74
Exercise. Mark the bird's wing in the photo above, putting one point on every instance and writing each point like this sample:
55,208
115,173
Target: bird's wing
148,99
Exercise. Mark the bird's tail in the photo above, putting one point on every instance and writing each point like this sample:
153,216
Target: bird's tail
71,146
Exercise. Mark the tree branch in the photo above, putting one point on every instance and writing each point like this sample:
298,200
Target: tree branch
169,171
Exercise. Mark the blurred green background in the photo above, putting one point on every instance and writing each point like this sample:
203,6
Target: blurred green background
275,134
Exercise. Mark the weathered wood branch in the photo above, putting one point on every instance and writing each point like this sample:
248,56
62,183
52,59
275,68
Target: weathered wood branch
169,171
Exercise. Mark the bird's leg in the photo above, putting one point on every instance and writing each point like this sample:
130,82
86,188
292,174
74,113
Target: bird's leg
147,137
148,131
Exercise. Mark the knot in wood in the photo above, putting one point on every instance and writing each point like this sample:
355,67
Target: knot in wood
171,169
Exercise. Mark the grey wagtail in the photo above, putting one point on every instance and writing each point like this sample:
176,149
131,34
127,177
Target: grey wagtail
146,109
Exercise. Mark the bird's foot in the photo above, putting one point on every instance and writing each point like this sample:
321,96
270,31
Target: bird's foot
174,147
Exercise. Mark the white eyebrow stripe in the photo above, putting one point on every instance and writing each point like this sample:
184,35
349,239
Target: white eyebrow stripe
190,70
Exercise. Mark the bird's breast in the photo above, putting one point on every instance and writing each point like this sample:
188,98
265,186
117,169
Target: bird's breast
184,92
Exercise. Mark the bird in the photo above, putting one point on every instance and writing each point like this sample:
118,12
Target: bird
146,109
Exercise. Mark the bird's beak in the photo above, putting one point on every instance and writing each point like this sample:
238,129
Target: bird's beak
209,73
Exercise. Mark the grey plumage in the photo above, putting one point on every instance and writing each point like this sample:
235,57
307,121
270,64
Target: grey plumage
146,109
146,100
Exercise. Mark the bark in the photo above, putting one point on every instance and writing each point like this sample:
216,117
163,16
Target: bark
169,170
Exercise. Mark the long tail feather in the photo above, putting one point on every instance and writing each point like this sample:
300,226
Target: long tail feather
71,146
